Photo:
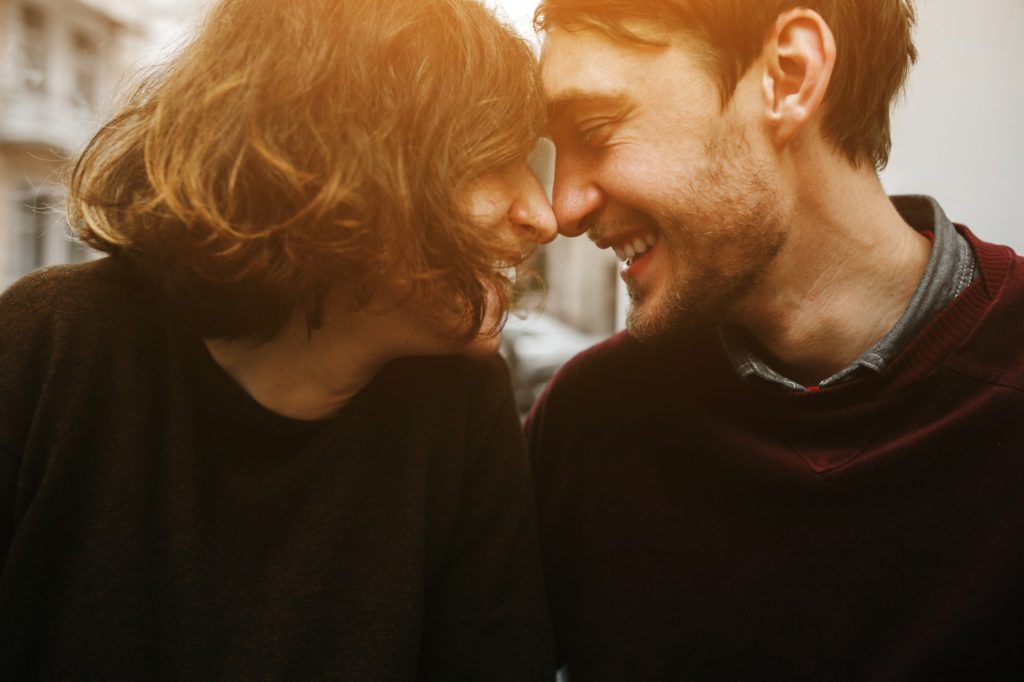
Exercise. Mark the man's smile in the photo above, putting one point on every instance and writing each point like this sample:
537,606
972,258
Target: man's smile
629,247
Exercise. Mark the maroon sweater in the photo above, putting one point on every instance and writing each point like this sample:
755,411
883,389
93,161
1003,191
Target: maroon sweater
700,527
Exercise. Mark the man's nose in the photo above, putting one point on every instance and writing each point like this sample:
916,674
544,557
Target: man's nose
574,196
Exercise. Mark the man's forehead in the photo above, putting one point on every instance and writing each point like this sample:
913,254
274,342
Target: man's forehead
584,67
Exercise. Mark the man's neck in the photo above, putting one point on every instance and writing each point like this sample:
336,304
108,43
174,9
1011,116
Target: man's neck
848,272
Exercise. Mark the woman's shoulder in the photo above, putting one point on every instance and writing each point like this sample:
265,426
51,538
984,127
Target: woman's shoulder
477,377
444,390
65,294
67,315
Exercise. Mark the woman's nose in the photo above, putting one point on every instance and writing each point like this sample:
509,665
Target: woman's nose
531,211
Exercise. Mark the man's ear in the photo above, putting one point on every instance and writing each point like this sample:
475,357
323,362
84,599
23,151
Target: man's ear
799,56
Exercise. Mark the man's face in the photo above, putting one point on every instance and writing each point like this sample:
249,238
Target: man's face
650,165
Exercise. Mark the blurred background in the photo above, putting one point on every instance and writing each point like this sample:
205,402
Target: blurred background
956,136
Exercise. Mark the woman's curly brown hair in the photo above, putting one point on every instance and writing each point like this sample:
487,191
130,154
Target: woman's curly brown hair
298,147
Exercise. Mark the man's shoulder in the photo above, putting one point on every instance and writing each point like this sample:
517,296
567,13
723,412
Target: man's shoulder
621,376
622,358
993,347
607,355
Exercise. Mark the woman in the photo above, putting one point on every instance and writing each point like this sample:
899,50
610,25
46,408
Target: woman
241,446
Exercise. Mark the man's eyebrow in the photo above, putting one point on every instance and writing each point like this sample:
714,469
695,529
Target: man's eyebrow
572,99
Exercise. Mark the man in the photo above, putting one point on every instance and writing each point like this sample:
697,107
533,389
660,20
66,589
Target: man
803,461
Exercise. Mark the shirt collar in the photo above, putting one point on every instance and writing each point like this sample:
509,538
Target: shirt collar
950,269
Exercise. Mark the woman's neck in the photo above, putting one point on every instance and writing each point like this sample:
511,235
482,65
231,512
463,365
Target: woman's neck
301,374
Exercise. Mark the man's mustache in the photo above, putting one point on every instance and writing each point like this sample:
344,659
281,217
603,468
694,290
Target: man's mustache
602,228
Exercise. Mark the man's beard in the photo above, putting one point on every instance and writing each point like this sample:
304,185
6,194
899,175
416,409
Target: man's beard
728,230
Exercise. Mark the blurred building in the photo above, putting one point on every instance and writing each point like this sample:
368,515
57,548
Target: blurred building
60,64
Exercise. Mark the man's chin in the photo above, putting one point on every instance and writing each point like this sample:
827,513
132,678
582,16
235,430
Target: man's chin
646,326
660,325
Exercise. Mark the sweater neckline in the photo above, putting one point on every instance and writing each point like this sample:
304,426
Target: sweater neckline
929,349
954,325
224,402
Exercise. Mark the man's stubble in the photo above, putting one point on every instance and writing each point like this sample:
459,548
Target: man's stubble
723,234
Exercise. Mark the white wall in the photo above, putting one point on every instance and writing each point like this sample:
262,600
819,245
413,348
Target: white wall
959,134
518,13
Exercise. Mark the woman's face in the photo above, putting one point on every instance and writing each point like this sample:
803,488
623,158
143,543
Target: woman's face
511,199
510,202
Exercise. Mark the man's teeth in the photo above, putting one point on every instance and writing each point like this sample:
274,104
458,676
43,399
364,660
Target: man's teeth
631,250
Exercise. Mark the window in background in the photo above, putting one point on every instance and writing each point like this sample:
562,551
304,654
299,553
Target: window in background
33,48
42,234
86,68
78,252
31,234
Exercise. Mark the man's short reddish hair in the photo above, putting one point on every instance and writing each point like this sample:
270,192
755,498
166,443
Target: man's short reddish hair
874,47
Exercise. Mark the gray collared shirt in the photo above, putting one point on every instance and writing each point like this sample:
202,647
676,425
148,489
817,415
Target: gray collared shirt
950,269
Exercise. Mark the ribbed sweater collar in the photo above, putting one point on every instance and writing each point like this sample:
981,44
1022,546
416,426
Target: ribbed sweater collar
947,332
